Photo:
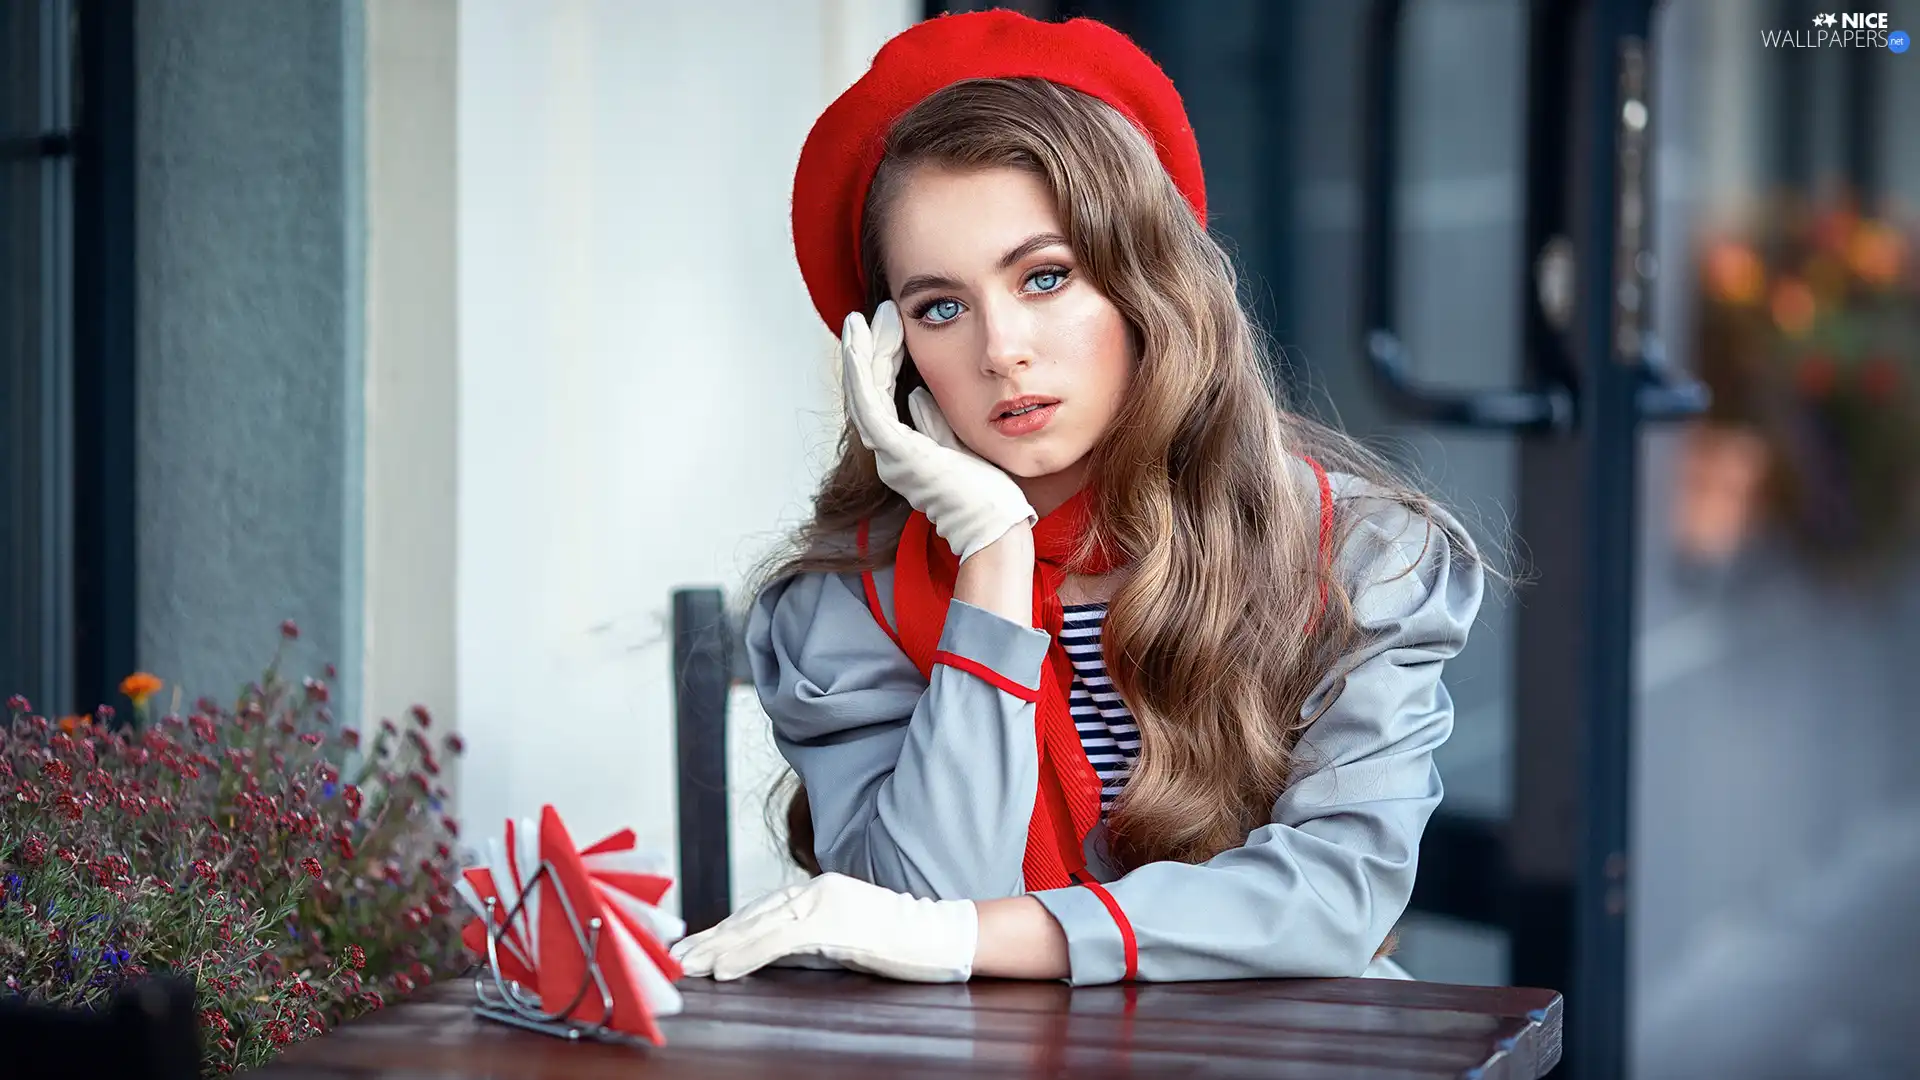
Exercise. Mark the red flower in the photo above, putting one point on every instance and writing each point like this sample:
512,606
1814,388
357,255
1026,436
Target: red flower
421,782
344,844
1880,378
455,744
452,826
290,630
403,984
1816,375
327,773
386,725
351,795
104,713
19,704
67,806
203,870
312,866
212,1020
373,999
443,851
280,1032
331,671
421,716
356,957
316,690
350,738
202,727
310,738
55,771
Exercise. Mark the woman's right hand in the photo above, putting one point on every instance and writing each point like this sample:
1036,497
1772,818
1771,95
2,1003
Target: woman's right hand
970,501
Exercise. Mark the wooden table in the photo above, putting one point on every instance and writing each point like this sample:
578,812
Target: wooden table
791,1023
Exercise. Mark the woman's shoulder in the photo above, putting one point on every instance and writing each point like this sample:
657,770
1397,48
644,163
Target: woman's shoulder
1399,550
815,601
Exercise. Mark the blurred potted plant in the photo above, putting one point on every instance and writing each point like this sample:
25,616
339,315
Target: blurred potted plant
1808,333
298,876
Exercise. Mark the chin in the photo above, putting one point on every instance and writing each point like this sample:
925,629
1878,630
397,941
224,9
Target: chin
1034,466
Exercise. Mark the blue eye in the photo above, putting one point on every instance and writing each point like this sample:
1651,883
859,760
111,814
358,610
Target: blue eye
1058,275
951,308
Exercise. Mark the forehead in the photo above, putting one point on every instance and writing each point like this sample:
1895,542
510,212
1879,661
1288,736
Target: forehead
958,222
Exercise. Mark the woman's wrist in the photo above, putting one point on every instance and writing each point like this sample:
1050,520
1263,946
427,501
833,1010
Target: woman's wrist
999,577
1019,939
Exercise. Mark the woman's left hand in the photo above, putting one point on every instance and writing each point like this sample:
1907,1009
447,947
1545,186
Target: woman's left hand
844,920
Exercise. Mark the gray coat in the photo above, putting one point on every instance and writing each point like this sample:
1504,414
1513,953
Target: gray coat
926,787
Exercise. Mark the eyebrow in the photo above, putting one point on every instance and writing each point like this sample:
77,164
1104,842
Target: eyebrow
1031,244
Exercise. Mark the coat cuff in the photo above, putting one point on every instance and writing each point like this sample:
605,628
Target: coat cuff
1096,944
987,645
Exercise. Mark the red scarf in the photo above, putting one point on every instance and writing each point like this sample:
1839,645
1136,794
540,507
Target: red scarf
1067,805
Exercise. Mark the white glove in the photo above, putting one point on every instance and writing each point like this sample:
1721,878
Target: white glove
970,501
843,920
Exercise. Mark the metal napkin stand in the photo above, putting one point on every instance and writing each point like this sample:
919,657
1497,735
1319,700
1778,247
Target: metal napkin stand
507,1002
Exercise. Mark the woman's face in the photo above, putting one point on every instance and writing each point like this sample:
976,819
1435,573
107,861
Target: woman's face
997,310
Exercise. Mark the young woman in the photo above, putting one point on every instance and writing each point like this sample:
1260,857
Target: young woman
1095,663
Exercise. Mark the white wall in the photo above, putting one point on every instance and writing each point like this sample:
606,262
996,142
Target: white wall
412,354
645,394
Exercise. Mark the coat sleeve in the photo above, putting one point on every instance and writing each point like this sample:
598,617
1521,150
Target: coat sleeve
922,786
1314,892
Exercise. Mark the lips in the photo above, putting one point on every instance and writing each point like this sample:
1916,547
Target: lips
1001,409
1026,423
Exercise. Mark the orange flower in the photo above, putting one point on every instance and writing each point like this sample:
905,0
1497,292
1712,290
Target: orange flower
74,725
140,686
1734,273
1876,253
1793,307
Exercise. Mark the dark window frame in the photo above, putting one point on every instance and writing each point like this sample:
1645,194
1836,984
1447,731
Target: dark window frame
68,554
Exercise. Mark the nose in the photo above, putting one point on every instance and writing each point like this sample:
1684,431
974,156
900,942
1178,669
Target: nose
1008,347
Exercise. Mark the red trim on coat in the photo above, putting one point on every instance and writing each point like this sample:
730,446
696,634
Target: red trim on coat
873,590
1129,946
980,670
1326,537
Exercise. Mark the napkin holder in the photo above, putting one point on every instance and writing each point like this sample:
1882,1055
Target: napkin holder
504,1001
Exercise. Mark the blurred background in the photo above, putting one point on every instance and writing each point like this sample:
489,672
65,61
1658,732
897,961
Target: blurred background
464,332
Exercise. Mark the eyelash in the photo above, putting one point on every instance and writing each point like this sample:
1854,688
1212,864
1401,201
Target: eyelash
921,309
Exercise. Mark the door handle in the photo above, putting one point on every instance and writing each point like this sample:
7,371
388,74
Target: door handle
1665,393
1550,407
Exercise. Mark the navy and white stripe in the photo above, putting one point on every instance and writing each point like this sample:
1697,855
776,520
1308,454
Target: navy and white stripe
1107,730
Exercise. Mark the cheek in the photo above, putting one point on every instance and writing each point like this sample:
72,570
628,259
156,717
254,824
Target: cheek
1104,350
941,361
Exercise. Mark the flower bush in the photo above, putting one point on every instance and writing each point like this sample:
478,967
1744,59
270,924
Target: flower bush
1809,336
299,874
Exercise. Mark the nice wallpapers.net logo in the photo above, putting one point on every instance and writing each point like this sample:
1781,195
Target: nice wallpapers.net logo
1843,30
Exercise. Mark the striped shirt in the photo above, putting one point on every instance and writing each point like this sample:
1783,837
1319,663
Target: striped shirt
1106,727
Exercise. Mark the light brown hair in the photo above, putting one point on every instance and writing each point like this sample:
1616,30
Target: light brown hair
1197,480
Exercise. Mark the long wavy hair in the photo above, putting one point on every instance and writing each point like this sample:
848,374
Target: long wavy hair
1197,481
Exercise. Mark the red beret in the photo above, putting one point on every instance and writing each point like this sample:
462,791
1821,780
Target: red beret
844,148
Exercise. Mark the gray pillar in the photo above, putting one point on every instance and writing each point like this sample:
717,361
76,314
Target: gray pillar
249,337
